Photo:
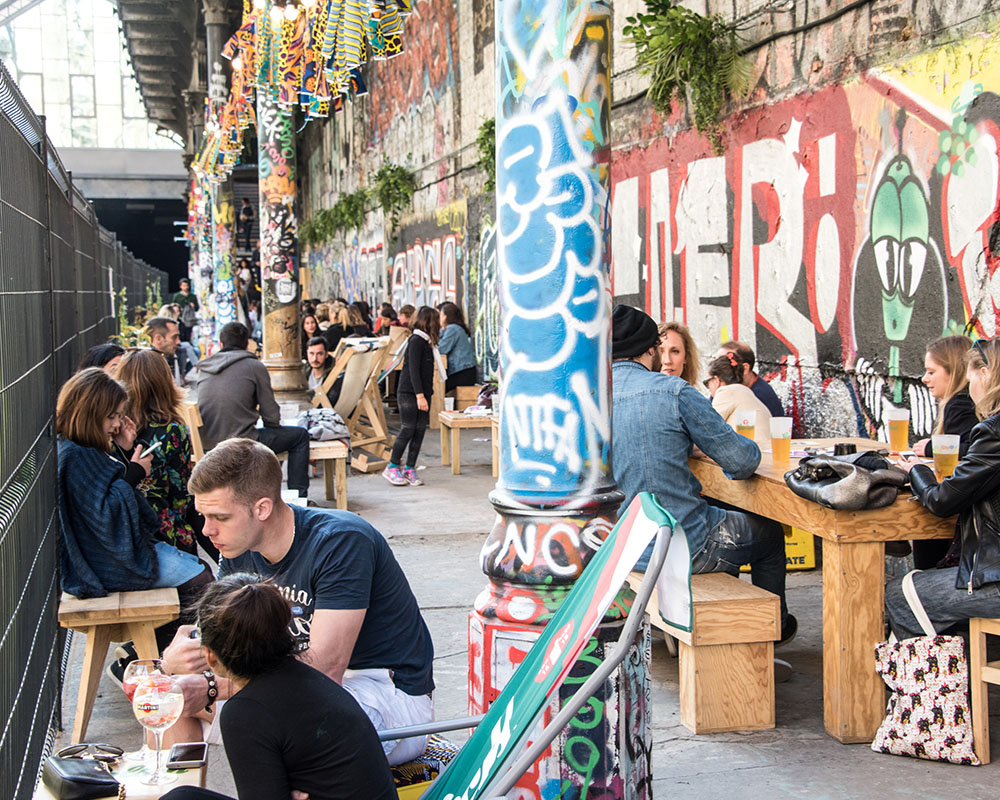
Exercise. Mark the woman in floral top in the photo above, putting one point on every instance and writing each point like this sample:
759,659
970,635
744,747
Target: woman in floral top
155,406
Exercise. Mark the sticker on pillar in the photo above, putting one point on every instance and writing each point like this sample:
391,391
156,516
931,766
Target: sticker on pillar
285,290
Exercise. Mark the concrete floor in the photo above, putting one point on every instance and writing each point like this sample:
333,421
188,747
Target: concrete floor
436,532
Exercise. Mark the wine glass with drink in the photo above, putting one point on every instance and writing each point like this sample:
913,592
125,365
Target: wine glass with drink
134,672
157,703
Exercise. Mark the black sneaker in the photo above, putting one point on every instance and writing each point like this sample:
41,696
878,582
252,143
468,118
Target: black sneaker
788,631
116,671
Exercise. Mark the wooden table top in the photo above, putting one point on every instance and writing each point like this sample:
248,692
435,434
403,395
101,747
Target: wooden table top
459,419
767,494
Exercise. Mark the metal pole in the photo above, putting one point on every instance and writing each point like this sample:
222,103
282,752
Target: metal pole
279,249
556,499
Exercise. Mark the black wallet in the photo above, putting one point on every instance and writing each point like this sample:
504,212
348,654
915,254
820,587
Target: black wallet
79,779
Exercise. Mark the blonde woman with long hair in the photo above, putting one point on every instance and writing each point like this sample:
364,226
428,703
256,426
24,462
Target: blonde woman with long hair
678,352
155,405
952,595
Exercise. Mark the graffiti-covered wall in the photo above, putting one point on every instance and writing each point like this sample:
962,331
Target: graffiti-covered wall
427,261
353,266
839,233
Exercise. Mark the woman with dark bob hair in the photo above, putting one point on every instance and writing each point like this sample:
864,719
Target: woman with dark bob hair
106,356
286,726
107,529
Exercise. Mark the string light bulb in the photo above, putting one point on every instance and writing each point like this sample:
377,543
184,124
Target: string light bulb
276,14
291,12
308,3
259,4
237,64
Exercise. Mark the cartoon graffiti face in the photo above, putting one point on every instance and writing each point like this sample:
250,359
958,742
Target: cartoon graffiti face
899,233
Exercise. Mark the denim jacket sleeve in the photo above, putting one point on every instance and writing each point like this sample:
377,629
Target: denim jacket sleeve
737,455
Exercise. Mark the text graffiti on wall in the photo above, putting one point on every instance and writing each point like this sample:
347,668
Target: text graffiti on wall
487,323
841,232
428,261
223,219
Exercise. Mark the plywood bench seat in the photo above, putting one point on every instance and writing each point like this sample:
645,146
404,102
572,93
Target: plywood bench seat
118,617
726,661
333,454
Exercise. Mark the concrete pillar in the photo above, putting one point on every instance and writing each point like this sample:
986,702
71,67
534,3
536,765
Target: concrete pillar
279,252
555,498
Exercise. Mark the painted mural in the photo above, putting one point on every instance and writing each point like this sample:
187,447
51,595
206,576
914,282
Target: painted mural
840,233
427,260
355,268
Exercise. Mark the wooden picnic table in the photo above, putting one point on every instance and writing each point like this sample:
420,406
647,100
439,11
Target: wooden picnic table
455,421
853,576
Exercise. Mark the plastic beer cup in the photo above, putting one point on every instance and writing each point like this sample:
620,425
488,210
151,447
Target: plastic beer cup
899,429
746,422
945,454
781,439
449,404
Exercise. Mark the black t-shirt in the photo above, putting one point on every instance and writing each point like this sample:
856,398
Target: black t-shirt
338,561
294,728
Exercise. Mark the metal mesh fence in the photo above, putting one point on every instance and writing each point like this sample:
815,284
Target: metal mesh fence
57,271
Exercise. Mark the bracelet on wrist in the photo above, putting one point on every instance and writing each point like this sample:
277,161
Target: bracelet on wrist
213,689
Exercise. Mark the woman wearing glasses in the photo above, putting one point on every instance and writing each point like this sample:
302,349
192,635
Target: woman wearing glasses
108,530
972,588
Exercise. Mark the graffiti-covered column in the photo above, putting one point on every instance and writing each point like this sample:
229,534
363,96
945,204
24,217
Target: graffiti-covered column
279,256
556,499
223,211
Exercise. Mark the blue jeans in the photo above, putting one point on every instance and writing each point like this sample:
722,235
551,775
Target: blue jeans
294,441
175,566
945,605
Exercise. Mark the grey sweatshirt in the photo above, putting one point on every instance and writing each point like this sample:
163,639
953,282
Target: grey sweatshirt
234,389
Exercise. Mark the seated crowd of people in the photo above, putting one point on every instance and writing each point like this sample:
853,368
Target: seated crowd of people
299,618
660,418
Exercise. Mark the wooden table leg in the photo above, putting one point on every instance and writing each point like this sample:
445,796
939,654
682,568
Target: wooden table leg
853,622
328,484
98,639
456,458
445,458
341,468
495,448
144,638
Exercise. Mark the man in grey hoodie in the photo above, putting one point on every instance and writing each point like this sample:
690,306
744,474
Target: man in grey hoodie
233,391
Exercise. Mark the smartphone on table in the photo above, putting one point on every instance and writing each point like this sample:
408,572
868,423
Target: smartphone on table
188,755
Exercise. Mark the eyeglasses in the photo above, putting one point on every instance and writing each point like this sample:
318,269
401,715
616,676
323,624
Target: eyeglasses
708,381
105,753
978,345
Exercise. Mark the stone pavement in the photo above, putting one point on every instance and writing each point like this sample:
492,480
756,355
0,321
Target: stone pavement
436,532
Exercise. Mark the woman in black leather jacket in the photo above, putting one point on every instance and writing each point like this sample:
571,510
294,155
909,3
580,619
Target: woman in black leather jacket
972,589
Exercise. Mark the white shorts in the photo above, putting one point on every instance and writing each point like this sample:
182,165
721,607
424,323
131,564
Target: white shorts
388,707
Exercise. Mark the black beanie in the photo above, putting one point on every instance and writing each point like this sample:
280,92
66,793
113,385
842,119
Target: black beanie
632,332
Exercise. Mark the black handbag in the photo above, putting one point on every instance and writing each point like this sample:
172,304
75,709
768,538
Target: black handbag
79,779
847,483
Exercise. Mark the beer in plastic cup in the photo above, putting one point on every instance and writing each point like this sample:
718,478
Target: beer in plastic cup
781,439
746,421
945,454
899,429
449,404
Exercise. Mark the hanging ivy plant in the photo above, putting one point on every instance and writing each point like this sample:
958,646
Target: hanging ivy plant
393,187
347,214
486,142
687,54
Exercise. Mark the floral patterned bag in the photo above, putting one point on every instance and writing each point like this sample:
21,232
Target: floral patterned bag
928,711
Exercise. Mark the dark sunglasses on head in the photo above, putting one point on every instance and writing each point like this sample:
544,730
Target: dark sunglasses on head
978,345
105,753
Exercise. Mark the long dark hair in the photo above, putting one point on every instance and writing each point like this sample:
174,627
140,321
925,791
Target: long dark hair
100,355
244,621
454,315
429,321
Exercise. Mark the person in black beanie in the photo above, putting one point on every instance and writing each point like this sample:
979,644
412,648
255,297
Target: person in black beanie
657,420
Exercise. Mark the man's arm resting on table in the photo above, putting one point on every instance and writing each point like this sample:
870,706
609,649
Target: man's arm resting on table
332,636
185,660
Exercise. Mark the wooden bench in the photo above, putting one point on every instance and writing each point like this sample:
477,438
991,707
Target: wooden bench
455,421
726,662
981,674
333,454
495,440
119,617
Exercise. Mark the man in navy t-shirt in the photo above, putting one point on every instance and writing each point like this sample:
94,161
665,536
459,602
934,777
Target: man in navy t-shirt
762,389
353,611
